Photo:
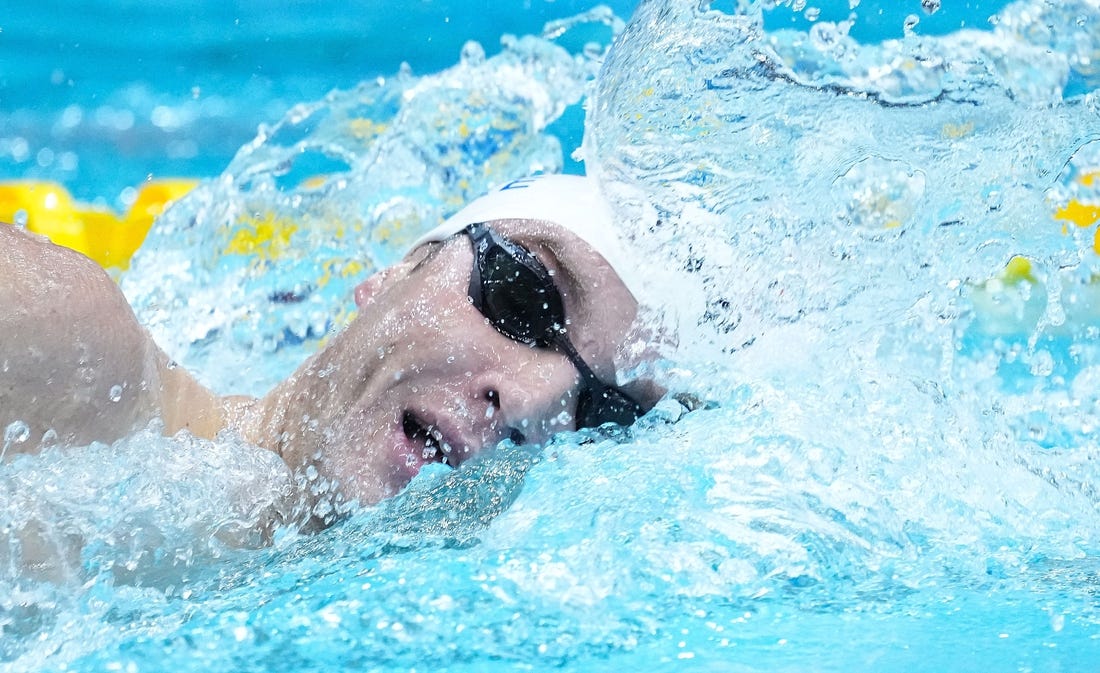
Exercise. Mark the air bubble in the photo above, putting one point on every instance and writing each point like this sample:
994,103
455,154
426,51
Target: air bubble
812,13
115,393
930,6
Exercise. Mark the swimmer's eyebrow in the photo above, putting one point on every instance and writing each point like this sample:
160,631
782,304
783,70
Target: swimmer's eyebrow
433,249
560,270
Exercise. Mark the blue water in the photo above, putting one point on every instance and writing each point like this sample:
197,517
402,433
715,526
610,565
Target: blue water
78,86
117,91
896,465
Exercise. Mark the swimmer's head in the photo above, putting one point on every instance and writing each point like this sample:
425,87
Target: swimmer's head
509,321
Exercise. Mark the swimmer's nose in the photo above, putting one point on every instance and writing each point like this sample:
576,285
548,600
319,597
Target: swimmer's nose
511,432
530,403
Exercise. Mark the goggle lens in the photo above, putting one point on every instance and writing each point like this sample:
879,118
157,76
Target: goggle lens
515,292
517,302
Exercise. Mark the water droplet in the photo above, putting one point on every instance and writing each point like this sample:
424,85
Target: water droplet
829,37
322,509
812,13
1057,622
473,54
115,394
930,6
852,4
911,22
1042,363
17,432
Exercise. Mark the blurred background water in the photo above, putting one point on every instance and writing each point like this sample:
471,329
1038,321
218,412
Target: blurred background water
100,95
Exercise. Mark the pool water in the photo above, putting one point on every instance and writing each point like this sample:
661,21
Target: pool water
99,95
895,465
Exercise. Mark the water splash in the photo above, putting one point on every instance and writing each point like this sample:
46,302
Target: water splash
260,263
751,146
84,531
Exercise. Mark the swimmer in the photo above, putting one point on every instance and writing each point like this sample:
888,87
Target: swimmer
508,321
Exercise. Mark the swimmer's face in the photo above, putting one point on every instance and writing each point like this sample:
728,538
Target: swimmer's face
421,376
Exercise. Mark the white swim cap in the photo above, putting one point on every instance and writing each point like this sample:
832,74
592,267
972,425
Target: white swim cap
570,201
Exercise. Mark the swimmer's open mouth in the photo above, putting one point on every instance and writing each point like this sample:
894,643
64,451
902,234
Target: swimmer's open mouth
435,448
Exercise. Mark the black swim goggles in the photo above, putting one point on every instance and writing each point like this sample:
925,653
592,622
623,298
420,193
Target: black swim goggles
514,290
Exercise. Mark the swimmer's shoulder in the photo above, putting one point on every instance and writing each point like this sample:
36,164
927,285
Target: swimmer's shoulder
37,273
76,359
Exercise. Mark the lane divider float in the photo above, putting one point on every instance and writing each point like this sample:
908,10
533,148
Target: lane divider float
110,239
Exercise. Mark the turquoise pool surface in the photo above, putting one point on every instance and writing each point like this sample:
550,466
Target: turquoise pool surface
894,466
100,95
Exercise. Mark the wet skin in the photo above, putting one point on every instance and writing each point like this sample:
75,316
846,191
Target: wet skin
420,375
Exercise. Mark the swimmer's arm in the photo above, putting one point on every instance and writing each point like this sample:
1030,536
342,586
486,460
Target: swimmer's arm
73,358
